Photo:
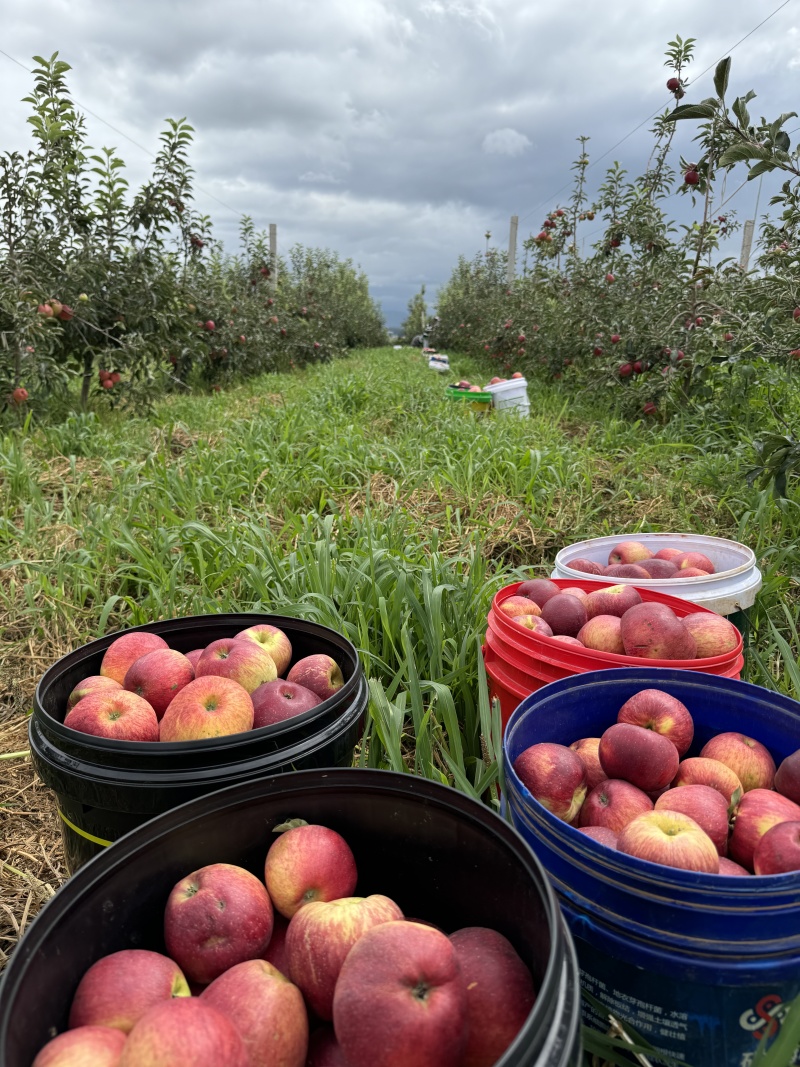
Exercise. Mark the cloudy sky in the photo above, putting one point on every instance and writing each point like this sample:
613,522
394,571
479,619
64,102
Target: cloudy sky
394,131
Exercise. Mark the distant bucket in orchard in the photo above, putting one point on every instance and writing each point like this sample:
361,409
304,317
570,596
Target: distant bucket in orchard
510,396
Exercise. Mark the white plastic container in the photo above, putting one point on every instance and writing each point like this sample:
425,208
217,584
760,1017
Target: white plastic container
439,362
733,588
510,396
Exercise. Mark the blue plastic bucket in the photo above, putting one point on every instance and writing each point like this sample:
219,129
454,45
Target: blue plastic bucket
701,965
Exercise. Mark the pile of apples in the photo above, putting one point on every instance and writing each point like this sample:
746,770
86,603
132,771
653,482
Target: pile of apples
147,691
632,559
295,971
615,619
727,811
466,387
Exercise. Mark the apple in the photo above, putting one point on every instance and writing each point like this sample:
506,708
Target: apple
184,1031
124,652
267,1011
564,614
216,917
658,568
653,631
695,560
613,804
272,640
747,758
586,748
669,554
758,811
693,572
626,570
656,710
787,777
280,700
713,634
90,685
194,656
321,674
88,1046
401,999
118,989
158,677
671,839
629,552
243,661
275,952
519,605
698,770
538,589
565,640
576,591
207,707
613,600
603,633
555,776
533,622
307,863
586,566
319,938
778,851
644,758
703,804
115,714
601,834
324,1050
728,867
500,993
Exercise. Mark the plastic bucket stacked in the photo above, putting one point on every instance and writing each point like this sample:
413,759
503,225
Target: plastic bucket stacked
510,396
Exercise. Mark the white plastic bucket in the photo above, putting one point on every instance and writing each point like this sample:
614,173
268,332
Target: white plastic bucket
440,363
733,588
510,396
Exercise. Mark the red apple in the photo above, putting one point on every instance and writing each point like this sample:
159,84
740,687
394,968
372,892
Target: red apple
778,851
124,652
280,700
703,804
182,1032
728,867
603,633
321,674
194,656
644,758
564,614
319,938
308,863
601,834
747,758
655,710
629,552
586,748
613,804
700,771
401,999
713,635
626,570
216,917
116,714
555,776
267,1011
576,591
90,685
586,566
538,589
207,707
613,600
242,660
88,1046
158,677
695,560
669,554
671,839
658,568
118,989
693,572
533,622
275,952
787,777
520,605
565,640
324,1050
500,993
653,631
272,640
758,811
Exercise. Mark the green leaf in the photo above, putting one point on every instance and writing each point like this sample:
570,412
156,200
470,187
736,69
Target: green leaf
764,167
721,76
706,110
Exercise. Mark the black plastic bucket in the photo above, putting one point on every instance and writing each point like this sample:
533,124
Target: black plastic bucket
441,855
105,788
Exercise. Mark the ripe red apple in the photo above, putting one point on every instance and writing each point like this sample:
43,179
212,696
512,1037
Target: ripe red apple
586,748
671,839
728,867
207,707
185,1031
564,614
123,653
88,1046
669,554
693,572
539,590
758,811
701,771
320,936
644,758
703,804
118,989
321,674
626,570
324,1050
266,1009
576,591
565,640
500,993
653,631
307,863
401,999
90,685
778,851
533,622
216,917
555,776
116,714
520,605
629,552
655,710
747,758
280,700
787,777
603,633
694,559
272,640
613,804
601,834
158,677
586,566
613,600
713,635
275,952
658,568
194,656
244,661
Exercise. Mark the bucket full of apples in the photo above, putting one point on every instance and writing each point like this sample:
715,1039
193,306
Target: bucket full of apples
133,724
